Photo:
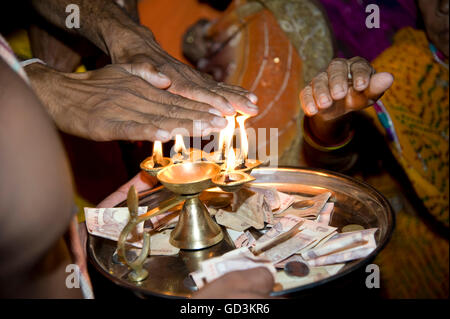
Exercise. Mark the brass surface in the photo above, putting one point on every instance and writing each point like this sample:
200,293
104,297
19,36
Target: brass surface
147,165
195,229
355,203
188,177
237,180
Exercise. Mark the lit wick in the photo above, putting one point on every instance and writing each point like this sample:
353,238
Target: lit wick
229,165
181,153
157,154
243,154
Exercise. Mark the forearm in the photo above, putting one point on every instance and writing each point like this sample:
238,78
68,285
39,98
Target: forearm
101,21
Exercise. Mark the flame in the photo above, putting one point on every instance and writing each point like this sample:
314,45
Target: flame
179,146
244,138
226,135
230,160
157,152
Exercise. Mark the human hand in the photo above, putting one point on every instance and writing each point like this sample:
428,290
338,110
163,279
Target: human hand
112,104
137,46
330,96
253,283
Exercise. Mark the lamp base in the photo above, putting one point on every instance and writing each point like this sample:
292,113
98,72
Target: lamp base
195,229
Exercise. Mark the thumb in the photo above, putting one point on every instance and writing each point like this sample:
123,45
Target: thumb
379,83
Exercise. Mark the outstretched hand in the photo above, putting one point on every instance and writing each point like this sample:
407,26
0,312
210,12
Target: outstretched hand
113,104
158,68
330,96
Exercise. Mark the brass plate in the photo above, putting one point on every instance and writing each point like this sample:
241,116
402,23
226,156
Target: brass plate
355,203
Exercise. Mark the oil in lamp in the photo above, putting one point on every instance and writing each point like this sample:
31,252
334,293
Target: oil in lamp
153,164
181,154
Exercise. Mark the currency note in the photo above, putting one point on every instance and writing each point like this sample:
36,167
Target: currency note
343,248
286,200
248,205
246,239
167,218
231,220
325,214
109,223
311,232
311,228
160,245
238,259
318,203
270,194
315,274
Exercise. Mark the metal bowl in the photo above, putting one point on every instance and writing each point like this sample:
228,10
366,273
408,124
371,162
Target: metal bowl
355,203
188,177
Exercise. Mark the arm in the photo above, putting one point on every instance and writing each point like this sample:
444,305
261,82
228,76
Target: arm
114,32
35,196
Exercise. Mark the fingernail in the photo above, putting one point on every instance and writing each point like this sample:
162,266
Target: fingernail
252,106
324,100
360,83
338,90
215,112
312,109
253,97
163,76
162,135
219,122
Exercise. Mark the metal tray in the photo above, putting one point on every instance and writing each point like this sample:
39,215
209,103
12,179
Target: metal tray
355,203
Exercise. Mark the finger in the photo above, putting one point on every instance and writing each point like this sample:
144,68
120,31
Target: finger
148,73
200,94
258,280
361,72
164,123
240,102
379,83
134,131
321,91
251,96
200,110
307,101
151,108
338,78
261,279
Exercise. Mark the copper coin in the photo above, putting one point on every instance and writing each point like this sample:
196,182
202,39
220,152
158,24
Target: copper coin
351,227
303,204
296,268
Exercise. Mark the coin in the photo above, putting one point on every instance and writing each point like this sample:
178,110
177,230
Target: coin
296,268
303,204
351,227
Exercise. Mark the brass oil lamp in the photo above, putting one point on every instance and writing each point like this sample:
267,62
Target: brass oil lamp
187,179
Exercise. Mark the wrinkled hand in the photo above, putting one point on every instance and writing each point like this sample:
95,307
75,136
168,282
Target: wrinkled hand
112,104
253,283
330,96
139,48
